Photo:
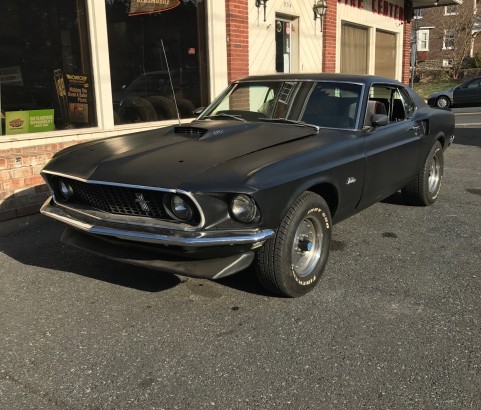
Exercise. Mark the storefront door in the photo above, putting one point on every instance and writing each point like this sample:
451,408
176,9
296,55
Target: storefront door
283,45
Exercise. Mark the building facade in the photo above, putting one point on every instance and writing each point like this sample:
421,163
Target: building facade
77,70
447,35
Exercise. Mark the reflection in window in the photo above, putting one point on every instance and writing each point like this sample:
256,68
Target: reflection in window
139,71
45,74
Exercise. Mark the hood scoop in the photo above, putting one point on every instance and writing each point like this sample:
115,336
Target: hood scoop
190,131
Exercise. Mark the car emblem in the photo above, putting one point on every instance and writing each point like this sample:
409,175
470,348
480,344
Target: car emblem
350,180
142,202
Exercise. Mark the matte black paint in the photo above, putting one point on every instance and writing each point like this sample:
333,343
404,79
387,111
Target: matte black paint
274,163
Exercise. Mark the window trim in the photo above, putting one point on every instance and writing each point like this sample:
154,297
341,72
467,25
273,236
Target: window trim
453,13
447,62
419,41
446,37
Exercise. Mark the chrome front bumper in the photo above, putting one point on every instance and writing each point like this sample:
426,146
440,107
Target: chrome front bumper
161,236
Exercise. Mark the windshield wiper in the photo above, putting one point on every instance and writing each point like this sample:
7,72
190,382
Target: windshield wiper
224,115
286,121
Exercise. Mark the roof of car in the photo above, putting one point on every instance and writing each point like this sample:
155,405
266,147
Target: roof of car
355,78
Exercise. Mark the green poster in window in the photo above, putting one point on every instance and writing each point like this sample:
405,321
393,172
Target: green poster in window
22,122
41,121
16,122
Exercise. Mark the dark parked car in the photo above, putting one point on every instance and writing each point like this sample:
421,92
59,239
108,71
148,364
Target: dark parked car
465,94
259,177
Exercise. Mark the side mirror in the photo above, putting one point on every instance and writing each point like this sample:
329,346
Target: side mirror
379,120
198,111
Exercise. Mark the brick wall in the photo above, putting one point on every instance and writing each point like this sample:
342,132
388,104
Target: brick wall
237,27
406,63
329,38
22,190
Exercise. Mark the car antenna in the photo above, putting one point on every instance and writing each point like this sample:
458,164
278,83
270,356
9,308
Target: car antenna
170,78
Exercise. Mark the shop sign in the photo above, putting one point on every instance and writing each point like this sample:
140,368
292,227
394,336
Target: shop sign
24,122
151,6
382,7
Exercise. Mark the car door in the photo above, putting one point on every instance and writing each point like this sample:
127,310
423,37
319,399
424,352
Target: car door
393,150
468,93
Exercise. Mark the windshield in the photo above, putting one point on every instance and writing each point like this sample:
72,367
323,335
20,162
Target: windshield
324,103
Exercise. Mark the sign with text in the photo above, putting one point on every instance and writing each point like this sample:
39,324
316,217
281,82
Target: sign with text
77,88
23,122
151,6
73,95
383,7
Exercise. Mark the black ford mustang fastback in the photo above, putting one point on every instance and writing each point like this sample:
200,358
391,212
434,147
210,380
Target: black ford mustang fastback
259,177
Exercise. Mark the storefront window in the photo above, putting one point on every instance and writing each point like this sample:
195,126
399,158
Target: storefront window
45,71
146,40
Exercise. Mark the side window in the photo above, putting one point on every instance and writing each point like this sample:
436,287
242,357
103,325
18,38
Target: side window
389,100
333,105
379,97
409,106
474,84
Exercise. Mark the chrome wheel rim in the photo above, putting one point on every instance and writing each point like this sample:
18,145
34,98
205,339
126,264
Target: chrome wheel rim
434,174
306,247
442,103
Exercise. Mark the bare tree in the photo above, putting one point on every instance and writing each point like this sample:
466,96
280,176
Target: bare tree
455,27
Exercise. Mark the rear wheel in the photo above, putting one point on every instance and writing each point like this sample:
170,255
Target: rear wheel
291,262
424,189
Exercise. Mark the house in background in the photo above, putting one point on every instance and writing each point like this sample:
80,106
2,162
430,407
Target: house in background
447,37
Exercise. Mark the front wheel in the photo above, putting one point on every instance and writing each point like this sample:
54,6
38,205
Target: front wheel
424,188
292,261
443,102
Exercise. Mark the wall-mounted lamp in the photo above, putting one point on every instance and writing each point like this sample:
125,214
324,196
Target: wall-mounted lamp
319,9
263,3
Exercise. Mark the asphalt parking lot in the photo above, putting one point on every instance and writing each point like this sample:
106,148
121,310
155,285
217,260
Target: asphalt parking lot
394,324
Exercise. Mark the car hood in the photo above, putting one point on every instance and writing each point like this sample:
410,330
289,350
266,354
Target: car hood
168,157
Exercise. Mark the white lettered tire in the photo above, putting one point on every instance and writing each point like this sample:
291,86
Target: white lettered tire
292,261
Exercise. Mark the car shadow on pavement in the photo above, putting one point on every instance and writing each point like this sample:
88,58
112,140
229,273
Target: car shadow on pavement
467,136
397,199
38,244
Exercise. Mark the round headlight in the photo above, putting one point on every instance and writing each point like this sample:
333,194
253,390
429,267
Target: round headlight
243,208
180,208
65,190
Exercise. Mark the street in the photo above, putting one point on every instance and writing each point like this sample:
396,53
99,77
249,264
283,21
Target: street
467,117
395,322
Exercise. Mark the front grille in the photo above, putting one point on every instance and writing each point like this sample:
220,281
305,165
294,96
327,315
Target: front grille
121,200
